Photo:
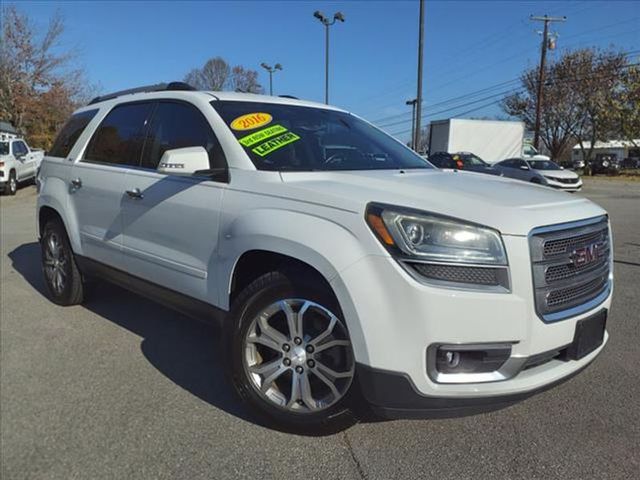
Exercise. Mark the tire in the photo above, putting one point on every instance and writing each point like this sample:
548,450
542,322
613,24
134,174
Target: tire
536,181
12,185
289,360
62,278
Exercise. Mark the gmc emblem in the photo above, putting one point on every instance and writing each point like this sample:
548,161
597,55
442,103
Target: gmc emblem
585,255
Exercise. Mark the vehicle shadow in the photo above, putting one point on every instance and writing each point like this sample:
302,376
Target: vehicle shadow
183,349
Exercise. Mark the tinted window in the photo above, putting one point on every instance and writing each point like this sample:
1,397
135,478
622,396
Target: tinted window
295,138
70,133
119,137
19,148
471,160
180,125
508,163
4,148
442,160
544,165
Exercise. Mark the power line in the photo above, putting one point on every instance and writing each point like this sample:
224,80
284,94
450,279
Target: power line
380,121
565,79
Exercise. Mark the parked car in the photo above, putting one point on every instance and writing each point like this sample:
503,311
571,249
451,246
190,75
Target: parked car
542,172
606,163
630,162
338,274
18,164
462,161
579,164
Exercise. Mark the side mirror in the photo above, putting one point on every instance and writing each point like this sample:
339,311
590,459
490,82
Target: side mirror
561,168
184,161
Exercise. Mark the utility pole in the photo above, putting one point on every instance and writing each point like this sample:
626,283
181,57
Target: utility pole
327,23
413,121
418,113
270,69
543,61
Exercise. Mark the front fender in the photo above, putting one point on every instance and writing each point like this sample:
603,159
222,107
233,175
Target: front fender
323,244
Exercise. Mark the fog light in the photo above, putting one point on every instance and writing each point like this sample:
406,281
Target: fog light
452,359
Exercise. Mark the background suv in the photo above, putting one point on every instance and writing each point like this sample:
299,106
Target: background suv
341,264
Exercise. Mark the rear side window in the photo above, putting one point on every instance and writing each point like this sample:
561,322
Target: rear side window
71,132
180,125
119,138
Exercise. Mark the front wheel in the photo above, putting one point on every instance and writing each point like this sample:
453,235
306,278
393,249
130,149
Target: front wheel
290,355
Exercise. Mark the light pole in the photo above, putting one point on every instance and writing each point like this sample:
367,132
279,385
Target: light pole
327,23
270,69
413,121
419,93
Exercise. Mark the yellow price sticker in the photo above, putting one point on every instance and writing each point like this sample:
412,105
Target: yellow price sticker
251,121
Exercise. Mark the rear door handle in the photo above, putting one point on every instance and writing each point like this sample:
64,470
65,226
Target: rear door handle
135,193
76,183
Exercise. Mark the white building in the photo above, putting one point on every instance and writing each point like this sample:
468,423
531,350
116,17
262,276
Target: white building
621,148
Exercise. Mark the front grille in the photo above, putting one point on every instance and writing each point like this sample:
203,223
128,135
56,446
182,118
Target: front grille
569,295
568,181
563,271
570,266
488,276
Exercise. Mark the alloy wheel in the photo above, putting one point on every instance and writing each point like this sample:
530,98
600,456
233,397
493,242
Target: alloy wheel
55,263
298,356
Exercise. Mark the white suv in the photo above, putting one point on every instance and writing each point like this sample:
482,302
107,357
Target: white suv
342,265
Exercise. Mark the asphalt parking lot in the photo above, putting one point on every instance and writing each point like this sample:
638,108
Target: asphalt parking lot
123,388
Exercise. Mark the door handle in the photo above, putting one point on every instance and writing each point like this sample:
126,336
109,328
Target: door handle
76,183
135,193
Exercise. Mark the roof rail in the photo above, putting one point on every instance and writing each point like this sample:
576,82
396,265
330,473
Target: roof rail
288,96
158,87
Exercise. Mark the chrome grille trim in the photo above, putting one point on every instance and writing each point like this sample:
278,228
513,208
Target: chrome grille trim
562,286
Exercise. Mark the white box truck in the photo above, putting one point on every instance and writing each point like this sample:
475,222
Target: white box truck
491,140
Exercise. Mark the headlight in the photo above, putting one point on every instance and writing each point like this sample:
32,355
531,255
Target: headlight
441,248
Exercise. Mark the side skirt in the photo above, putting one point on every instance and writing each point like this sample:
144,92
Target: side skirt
189,306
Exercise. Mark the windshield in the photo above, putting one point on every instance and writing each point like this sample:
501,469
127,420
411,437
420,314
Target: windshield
543,165
4,148
294,138
471,160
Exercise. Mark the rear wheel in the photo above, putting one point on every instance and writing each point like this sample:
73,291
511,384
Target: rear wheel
291,358
61,275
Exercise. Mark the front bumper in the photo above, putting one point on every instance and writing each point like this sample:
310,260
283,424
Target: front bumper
394,318
567,187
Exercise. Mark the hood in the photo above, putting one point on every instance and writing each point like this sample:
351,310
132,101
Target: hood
483,169
510,206
558,173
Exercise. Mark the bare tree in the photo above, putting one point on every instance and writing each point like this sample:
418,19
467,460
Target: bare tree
245,80
578,102
214,75
36,76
